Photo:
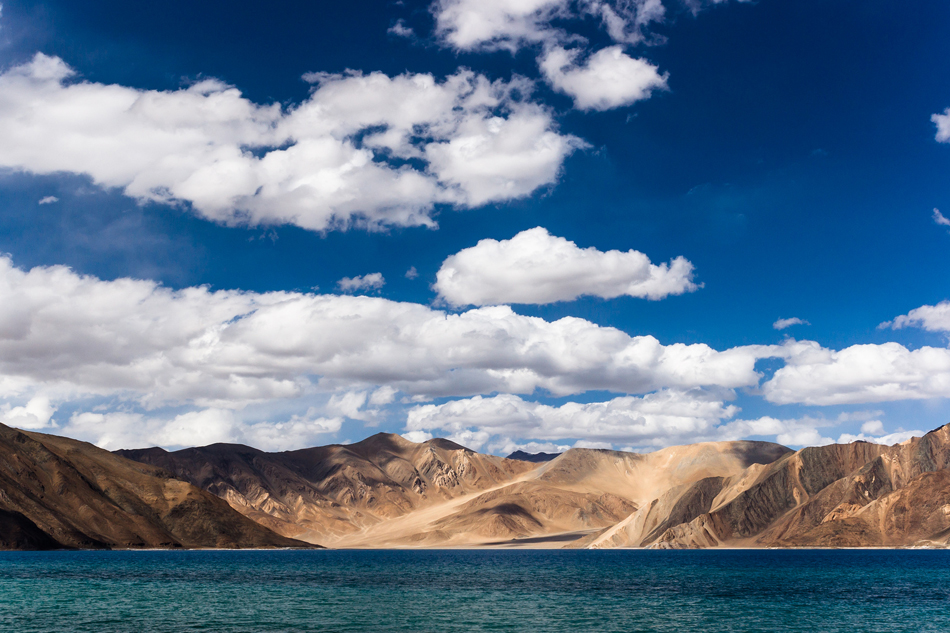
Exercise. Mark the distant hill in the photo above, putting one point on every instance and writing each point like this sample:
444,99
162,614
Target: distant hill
336,493
842,495
389,492
60,493
535,458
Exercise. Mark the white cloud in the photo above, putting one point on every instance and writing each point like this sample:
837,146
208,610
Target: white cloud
607,79
412,273
626,21
508,446
781,324
537,267
48,200
471,25
873,432
506,423
401,29
67,335
931,318
858,374
656,419
300,430
942,121
371,281
116,430
322,164
795,432
417,436
939,218
868,417
383,396
497,24
35,414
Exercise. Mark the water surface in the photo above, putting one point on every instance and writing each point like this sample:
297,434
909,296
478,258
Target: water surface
465,590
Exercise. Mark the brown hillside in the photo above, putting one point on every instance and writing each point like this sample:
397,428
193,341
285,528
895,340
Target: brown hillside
57,492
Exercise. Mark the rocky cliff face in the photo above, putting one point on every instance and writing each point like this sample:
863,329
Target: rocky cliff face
854,495
56,493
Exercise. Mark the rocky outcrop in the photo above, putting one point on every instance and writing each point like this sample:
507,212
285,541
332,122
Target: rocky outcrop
851,495
61,493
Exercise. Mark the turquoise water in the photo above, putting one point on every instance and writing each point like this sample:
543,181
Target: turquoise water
438,591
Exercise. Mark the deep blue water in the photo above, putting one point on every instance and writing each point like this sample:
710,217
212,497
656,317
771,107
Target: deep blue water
438,591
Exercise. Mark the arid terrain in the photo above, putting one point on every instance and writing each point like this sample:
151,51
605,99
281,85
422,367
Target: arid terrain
389,492
60,493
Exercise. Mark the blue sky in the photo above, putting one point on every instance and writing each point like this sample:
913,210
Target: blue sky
788,153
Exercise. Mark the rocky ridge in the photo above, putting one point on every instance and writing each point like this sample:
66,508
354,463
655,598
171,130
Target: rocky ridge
389,492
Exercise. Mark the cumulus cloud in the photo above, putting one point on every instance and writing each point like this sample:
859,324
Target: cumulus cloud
35,414
412,273
48,200
942,121
497,24
931,318
607,79
781,324
794,432
401,29
116,430
64,334
506,423
858,374
873,431
363,150
471,25
940,219
657,419
371,281
537,267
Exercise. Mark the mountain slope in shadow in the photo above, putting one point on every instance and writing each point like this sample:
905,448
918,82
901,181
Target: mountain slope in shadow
61,493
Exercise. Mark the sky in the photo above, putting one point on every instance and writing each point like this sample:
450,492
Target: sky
518,224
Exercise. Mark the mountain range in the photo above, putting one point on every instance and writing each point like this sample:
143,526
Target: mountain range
388,492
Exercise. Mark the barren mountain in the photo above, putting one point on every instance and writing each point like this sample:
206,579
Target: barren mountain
329,493
536,458
853,495
57,492
388,492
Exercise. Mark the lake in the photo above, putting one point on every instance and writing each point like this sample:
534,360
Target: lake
476,590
